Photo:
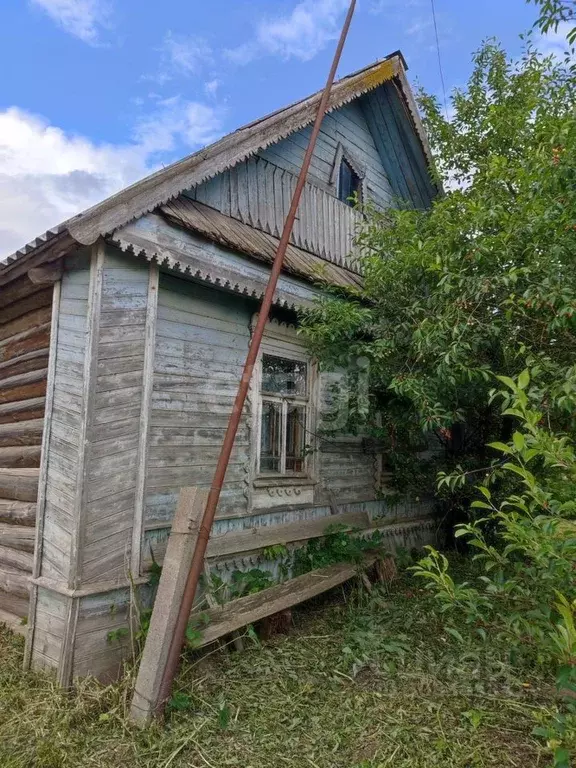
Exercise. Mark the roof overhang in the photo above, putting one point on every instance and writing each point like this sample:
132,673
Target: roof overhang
159,188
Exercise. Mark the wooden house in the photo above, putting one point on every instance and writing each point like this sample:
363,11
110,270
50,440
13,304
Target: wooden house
122,336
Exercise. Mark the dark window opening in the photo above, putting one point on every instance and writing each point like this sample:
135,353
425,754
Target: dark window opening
349,184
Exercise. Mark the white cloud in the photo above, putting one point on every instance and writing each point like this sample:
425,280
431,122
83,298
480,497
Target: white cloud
181,56
301,34
47,175
176,121
81,18
556,43
212,86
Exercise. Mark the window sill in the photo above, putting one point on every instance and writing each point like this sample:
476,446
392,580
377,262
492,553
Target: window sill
275,481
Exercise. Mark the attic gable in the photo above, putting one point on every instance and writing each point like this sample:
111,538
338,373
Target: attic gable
159,188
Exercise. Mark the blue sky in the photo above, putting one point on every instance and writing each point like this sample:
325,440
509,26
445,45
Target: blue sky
97,93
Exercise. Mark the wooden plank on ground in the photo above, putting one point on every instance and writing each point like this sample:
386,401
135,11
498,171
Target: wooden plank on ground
175,571
246,610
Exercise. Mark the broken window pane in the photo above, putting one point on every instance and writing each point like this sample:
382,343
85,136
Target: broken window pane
281,376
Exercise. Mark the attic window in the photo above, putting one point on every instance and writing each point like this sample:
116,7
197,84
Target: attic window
349,184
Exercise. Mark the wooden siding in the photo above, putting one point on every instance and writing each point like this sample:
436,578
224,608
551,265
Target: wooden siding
398,146
113,435
65,434
374,133
259,194
201,343
25,324
346,472
346,126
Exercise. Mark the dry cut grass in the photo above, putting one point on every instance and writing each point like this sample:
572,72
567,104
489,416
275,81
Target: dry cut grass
363,681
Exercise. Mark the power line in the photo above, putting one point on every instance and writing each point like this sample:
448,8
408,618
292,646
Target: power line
439,58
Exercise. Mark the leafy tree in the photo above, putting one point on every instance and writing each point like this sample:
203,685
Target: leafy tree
553,13
481,285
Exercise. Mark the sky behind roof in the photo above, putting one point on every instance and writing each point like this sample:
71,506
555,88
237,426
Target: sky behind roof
97,93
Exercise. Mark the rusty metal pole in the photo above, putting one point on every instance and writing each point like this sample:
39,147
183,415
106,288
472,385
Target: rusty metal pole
197,565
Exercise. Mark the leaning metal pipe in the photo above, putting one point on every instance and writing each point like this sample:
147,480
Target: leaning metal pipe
197,565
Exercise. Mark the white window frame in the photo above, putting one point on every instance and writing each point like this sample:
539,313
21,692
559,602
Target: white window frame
280,340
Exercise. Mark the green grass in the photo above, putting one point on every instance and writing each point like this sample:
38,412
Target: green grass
363,681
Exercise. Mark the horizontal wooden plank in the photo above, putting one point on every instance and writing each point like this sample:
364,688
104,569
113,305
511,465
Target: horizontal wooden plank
191,436
110,415
27,432
13,604
117,397
118,318
20,456
113,445
116,428
23,343
116,461
269,535
30,362
253,539
19,484
25,322
18,512
115,381
246,610
16,558
19,537
196,456
22,410
24,391
27,305
15,581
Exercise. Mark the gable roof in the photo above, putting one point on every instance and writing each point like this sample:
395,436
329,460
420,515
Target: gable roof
166,184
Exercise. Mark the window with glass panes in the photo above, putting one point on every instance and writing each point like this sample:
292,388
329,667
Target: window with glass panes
283,416
349,184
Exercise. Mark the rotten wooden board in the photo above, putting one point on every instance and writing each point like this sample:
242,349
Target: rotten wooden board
182,544
246,610
252,539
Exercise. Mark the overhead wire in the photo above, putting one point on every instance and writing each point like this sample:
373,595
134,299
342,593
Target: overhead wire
439,57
